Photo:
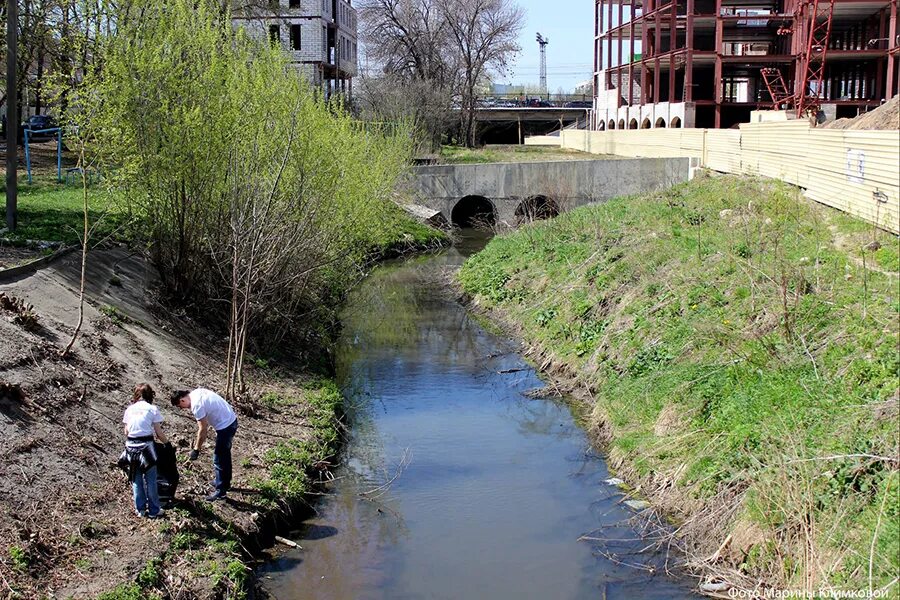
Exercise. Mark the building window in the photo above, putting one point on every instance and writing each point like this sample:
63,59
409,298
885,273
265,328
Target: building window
274,33
295,3
296,31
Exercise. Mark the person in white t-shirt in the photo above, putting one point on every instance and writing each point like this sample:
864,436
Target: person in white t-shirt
141,422
211,410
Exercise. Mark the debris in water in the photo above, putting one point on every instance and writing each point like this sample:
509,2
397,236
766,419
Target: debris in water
613,481
637,504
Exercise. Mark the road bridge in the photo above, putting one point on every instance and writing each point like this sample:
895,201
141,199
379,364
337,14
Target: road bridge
512,124
514,193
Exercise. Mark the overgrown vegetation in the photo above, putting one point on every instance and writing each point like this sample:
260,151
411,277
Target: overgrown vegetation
292,465
261,202
744,368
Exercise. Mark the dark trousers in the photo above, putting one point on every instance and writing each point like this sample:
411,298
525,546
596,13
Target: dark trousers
222,456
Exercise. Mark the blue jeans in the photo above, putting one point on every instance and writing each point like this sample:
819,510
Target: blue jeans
222,457
146,494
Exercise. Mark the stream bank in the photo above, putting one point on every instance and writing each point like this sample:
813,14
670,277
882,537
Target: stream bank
460,477
737,346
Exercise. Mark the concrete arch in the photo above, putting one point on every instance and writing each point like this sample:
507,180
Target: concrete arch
645,124
536,208
474,211
612,124
601,126
621,123
632,124
660,123
676,123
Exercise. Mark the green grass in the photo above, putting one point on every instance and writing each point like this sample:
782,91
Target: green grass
730,353
52,211
457,155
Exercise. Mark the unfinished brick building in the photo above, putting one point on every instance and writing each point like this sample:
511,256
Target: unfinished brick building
700,63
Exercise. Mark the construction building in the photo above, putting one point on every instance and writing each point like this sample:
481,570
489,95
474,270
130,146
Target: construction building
709,63
319,36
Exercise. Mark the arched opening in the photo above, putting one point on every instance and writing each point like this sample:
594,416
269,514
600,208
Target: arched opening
601,126
645,124
612,124
474,211
536,208
660,123
676,123
621,123
632,124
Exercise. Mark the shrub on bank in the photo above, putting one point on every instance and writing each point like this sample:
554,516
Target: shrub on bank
260,200
743,362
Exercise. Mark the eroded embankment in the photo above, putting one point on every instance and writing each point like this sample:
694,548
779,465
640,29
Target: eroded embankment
739,347
68,528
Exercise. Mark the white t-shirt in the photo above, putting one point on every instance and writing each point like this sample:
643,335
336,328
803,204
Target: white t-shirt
140,417
207,403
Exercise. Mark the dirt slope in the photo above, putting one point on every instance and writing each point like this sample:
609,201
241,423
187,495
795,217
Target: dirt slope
886,116
67,527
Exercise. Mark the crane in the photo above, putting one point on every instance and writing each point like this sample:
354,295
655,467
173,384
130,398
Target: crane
813,19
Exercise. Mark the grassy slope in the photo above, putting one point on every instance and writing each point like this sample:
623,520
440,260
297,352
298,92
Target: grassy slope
728,353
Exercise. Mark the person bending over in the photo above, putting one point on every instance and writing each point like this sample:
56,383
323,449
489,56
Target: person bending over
211,410
142,420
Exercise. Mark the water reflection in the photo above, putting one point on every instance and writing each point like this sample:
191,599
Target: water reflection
455,484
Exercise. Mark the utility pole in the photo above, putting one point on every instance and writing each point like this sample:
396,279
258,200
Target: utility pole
542,42
12,118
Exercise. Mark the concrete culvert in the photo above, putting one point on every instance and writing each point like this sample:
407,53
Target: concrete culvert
474,211
536,208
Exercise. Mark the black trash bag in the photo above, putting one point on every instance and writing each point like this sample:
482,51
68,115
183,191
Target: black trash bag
166,471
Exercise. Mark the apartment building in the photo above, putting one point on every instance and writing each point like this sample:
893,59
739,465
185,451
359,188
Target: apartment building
319,36
700,63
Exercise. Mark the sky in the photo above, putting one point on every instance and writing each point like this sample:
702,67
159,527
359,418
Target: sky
569,26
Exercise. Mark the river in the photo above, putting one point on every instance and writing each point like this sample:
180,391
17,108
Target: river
454,483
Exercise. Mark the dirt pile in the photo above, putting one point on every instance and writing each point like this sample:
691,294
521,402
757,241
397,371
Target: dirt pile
68,528
886,116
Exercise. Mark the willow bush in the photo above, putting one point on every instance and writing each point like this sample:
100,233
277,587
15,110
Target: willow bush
261,201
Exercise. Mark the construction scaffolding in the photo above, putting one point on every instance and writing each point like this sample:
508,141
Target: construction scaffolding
709,63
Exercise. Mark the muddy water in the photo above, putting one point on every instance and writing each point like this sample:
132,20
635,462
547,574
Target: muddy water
455,484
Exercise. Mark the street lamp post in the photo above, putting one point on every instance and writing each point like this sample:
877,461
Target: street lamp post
12,118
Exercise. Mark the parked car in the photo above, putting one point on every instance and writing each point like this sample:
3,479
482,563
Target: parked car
537,103
579,104
37,123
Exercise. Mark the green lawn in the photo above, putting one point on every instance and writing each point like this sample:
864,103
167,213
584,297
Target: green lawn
52,211
456,155
744,365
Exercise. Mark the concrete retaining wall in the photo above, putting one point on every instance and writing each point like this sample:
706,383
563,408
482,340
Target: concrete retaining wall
568,183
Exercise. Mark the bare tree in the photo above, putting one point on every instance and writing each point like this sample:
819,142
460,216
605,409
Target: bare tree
484,35
448,47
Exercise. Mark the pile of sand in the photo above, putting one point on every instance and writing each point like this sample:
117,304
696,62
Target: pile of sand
886,116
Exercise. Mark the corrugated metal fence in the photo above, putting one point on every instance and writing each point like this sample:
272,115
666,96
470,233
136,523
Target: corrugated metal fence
855,171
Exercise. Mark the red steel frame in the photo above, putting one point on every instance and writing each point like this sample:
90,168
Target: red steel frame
801,77
817,16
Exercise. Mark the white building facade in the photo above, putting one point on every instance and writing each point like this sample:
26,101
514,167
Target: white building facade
319,36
